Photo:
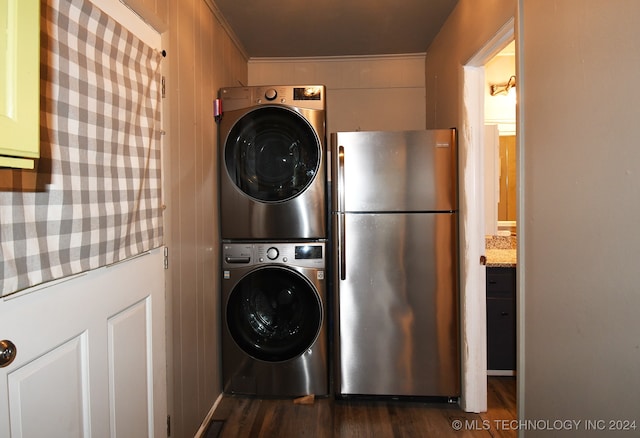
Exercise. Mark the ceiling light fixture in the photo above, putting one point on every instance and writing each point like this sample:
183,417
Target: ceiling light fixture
504,88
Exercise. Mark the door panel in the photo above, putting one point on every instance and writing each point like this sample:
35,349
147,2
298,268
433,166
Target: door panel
129,371
61,374
90,354
395,171
90,348
397,299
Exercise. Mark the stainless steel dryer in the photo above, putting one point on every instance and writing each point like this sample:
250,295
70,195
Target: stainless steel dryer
272,158
274,332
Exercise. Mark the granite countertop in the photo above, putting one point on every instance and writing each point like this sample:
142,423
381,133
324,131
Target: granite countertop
501,251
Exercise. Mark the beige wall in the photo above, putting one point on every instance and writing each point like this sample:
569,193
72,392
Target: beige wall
467,30
363,93
201,59
581,102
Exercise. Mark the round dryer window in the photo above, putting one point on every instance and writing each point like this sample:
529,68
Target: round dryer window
274,314
272,154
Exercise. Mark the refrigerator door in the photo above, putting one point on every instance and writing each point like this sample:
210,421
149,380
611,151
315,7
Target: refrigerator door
394,171
396,304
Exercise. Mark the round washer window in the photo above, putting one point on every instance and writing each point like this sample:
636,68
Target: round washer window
272,154
274,314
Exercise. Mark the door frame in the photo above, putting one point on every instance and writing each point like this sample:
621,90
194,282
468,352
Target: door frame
472,220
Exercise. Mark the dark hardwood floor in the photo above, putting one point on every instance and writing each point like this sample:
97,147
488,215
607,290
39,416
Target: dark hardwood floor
238,417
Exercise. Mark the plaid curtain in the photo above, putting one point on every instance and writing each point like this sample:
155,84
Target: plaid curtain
98,199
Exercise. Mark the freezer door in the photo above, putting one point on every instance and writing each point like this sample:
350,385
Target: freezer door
394,171
397,305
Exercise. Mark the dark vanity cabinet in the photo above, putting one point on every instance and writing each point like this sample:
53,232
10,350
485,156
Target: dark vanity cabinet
501,318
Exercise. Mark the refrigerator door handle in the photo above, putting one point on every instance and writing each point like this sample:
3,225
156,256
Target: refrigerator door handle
341,249
341,219
341,179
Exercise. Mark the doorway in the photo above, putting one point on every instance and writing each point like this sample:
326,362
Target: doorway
473,220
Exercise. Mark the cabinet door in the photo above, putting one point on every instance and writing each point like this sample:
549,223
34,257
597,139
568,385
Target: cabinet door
501,318
501,334
501,283
19,82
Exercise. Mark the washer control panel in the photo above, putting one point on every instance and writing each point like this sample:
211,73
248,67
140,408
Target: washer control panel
302,254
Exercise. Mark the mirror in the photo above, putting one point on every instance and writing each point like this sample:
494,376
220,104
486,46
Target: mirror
507,199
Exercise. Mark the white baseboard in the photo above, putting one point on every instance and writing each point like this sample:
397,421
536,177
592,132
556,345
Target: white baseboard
205,423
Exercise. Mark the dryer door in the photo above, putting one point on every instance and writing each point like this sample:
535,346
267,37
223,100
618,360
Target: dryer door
272,154
274,314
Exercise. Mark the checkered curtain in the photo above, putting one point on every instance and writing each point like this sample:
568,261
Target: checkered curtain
99,199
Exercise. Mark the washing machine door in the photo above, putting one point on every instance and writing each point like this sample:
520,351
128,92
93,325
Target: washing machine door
272,154
274,314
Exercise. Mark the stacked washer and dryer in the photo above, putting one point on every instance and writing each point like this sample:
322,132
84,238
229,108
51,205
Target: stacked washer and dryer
273,217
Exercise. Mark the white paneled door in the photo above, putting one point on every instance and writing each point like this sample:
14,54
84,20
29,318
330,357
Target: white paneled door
90,355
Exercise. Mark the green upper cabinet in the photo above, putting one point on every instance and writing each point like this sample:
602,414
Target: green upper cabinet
19,83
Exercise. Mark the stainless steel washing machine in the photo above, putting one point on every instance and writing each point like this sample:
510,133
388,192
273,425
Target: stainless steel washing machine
272,163
274,331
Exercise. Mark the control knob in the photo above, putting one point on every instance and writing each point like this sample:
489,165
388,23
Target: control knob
271,94
272,253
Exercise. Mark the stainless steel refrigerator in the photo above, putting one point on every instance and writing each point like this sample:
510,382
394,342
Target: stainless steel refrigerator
395,226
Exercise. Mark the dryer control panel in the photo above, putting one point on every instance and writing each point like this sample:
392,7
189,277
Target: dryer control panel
301,96
301,254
